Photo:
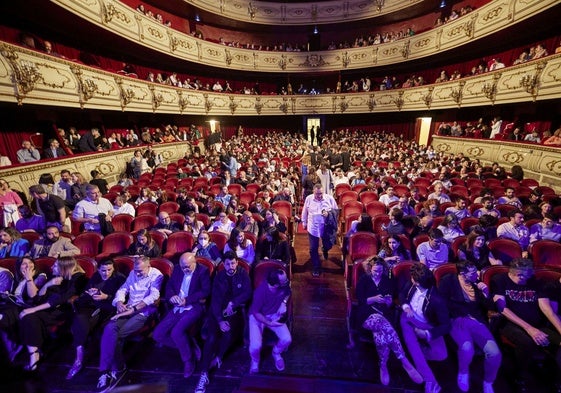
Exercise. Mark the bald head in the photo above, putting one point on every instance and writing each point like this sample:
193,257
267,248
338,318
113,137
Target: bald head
188,262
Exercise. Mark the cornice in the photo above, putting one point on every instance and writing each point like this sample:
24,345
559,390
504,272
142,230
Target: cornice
120,19
304,13
30,77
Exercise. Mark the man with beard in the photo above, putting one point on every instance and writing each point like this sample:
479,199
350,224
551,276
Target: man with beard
29,221
231,291
53,245
63,188
49,206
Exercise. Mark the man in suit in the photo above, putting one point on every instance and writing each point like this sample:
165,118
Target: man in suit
87,141
54,150
186,292
53,245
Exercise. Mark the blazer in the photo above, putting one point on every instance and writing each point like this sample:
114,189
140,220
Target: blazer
48,152
63,247
199,289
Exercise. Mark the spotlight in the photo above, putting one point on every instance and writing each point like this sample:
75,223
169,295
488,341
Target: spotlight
316,31
197,18
443,4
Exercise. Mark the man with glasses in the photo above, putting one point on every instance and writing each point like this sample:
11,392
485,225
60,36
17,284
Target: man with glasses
223,224
165,225
136,303
186,293
468,302
87,211
231,291
433,252
531,324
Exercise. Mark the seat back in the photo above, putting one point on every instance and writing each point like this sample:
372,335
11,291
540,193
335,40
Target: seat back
262,269
362,245
505,249
546,253
88,243
122,222
88,264
116,243
219,238
147,208
177,244
169,207
144,221
443,270
401,274
283,207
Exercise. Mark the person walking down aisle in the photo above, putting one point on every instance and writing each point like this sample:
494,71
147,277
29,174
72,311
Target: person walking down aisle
319,218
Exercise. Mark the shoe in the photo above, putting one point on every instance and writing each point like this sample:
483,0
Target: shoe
14,352
215,363
412,372
75,369
254,368
279,362
488,387
315,273
33,366
384,375
432,387
203,381
325,254
104,382
188,369
463,382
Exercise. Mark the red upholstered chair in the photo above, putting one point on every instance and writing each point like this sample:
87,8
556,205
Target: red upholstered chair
207,263
178,218
247,197
45,265
124,264
31,236
467,223
546,253
253,187
471,182
443,270
545,190
361,245
219,238
9,263
368,196
375,208
177,244
235,189
513,183
529,183
169,207
505,250
204,218
460,190
283,207
114,244
159,238
456,245
446,205
163,265
504,209
88,243
200,182
262,269
147,208
351,207
122,222
420,239
88,264
358,187
341,188
347,196
378,222
214,180
144,221
489,272
492,182
401,273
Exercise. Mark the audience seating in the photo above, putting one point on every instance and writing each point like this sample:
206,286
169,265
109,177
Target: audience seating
219,238
88,264
144,221
546,253
122,222
505,250
89,243
116,243
177,244
146,208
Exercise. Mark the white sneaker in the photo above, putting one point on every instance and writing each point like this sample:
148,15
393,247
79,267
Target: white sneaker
488,387
203,381
254,368
463,382
432,387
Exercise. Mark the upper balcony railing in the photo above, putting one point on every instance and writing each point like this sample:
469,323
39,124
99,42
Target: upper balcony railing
120,19
28,76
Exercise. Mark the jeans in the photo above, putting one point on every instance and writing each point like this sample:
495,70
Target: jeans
256,338
114,334
314,251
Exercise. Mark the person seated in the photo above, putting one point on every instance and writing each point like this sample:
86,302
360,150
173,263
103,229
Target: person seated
207,249
439,193
234,207
272,246
224,196
393,251
122,206
530,323
547,229
405,207
475,250
241,246
553,140
375,292
433,252
460,210
28,153
487,208
144,245
192,225
165,225
12,244
284,195
469,301
431,208
450,228
53,245
389,196
136,302
29,221
186,292
268,310
248,224
272,220
93,308
54,150
231,292
28,281
515,230
99,182
4,160
146,195
509,199
223,224
395,226
186,203
424,322
51,306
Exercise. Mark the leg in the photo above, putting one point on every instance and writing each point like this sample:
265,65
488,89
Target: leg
284,340
162,332
483,339
525,348
255,342
461,334
180,332
314,252
414,347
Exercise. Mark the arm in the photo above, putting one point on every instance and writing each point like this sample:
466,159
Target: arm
539,337
547,310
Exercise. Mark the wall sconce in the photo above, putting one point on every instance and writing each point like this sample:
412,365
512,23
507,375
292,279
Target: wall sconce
25,76
379,4
530,83
251,10
490,90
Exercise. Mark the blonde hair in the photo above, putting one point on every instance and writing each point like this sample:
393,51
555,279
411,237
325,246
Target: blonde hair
67,266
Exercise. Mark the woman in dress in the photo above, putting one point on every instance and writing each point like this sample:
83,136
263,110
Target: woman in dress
375,292
52,306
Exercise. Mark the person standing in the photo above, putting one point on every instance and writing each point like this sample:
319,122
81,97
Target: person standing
268,309
51,207
87,211
231,291
317,208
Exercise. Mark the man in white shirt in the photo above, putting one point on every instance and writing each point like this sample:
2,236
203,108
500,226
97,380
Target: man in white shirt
87,211
389,196
317,207
516,230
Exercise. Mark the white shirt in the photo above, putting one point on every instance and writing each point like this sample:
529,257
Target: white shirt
311,213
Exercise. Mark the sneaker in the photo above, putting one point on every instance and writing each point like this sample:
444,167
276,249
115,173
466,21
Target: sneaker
104,382
75,369
203,381
254,368
279,362
463,382
488,387
315,273
432,387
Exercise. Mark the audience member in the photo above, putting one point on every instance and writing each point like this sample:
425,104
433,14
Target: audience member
28,153
53,245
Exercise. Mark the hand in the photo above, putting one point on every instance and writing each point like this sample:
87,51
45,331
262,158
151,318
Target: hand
26,311
177,300
100,296
422,334
539,337
229,310
224,326
122,314
408,312
483,287
378,299
121,307
274,323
